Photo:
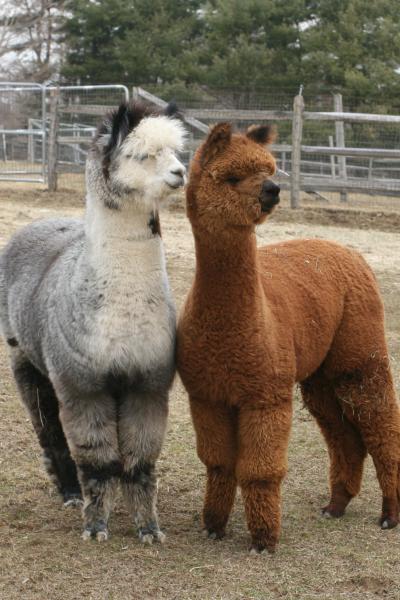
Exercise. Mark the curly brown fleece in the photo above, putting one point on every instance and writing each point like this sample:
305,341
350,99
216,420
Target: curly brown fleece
256,322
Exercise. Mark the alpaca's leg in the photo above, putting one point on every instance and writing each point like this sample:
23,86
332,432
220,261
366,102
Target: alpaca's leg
262,464
90,425
346,447
39,398
369,399
216,434
142,422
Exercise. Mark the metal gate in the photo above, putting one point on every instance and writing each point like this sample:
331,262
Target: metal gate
24,126
22,145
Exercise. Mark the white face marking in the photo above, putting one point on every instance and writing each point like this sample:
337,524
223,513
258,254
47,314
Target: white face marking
147,162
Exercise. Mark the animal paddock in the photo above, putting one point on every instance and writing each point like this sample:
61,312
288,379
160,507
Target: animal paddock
41,553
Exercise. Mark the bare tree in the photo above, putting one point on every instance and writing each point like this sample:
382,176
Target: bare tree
30,39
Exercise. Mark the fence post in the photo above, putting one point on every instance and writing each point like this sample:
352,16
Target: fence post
297,131
339,130
135,93
31,143
53,145
333,164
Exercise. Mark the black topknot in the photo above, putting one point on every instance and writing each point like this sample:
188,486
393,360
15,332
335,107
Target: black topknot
120,122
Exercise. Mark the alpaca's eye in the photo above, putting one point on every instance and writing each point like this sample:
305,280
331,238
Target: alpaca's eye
143,157
233,180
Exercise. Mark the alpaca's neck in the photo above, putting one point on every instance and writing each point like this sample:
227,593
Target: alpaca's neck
227,268
122,238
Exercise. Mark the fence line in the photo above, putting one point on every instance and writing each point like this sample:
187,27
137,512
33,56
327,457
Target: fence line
306,165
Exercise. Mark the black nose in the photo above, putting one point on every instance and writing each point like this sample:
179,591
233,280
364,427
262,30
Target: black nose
269,195
269,187
180,171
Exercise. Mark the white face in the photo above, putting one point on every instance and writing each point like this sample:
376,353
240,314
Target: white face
146,162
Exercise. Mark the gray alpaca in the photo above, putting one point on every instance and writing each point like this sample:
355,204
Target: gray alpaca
86,310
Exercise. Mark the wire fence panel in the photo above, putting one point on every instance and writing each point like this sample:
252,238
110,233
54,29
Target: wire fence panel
356,155
22,144
80,109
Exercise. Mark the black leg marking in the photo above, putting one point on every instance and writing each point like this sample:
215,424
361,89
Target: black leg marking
102,472
98,485
38,396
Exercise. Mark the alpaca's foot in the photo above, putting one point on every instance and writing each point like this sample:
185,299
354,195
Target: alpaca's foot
96,531
72,498
331,511
263,541
151,533
338,502
390,514
388,522
254,551
214,534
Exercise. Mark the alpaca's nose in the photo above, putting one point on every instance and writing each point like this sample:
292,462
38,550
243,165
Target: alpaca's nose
269,187
269,195
179,171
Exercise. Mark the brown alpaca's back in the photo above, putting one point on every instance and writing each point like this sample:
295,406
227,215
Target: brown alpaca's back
255,322
327,298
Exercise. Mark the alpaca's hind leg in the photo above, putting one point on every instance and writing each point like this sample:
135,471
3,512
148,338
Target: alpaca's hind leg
369,399
346,447
216,434
38,396
262,464
142,421
89,422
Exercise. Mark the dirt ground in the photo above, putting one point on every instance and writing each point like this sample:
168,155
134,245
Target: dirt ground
42,556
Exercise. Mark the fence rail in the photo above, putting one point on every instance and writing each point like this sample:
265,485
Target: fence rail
321,151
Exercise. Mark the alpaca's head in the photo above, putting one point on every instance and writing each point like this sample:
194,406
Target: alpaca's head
230,179
137,149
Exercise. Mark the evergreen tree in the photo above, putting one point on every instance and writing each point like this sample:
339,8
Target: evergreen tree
354,46
131,41
254,43
329,45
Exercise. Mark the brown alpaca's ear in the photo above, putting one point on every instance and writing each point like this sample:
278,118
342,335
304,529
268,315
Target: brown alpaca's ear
262,134
217,140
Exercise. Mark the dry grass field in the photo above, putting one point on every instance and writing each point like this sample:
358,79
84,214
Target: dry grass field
41,554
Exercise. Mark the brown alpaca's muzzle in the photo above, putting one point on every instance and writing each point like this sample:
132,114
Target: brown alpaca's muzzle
269,196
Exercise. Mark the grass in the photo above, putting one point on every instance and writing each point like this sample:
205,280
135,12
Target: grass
42,556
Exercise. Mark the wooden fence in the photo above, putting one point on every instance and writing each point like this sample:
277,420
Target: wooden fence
299,170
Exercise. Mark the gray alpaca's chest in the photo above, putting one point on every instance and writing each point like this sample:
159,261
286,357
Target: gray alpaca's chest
121,317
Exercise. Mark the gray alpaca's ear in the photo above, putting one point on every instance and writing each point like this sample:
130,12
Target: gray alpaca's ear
262,134
172,110
217,140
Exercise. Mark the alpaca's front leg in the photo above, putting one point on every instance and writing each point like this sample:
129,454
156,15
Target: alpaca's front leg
141,428
90,426
262,463
216,434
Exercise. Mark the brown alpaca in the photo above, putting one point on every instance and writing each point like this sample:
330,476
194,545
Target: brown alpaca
258,321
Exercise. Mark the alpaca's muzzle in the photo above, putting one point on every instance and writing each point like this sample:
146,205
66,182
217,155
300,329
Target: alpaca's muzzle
269,195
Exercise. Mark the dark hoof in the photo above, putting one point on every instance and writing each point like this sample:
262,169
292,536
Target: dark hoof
256,549
330,512
72,499
262,540
213,534
388,522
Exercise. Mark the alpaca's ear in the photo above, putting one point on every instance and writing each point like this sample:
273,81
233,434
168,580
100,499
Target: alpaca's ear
172,110
262,134
218,139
